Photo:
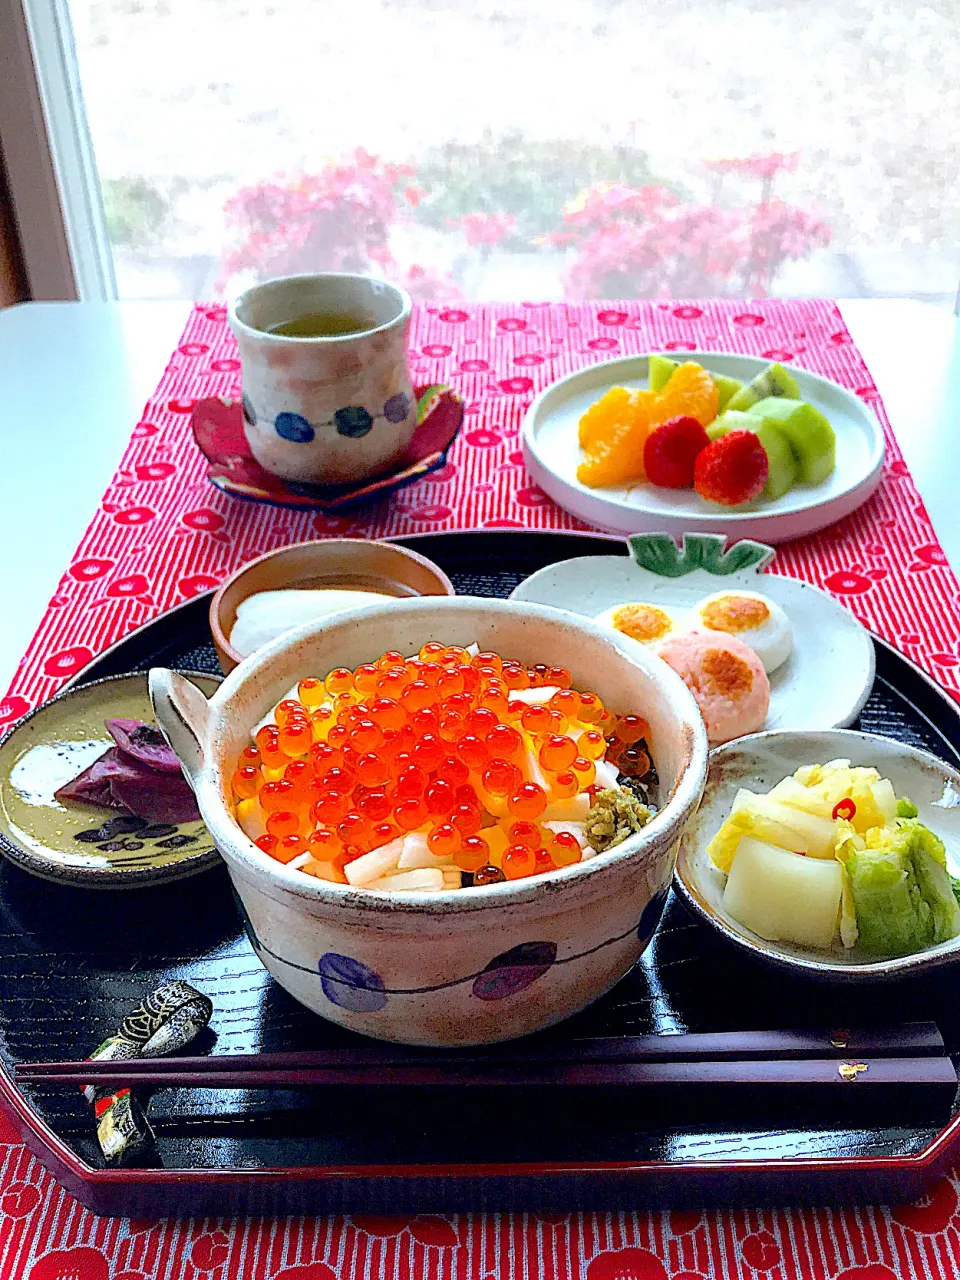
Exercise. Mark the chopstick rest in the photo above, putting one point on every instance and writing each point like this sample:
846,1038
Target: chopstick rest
167,1020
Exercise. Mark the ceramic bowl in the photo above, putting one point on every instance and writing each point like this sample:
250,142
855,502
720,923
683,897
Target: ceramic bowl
758,762
464,966
59,840
331,562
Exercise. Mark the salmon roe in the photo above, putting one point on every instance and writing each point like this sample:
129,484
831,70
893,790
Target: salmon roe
444,770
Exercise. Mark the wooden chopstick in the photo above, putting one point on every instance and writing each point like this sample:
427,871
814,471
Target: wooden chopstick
864,1072
902,1041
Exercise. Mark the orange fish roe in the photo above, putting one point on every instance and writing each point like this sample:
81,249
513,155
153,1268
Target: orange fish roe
436,763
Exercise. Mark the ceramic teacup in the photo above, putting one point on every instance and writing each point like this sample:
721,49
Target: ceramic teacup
332,408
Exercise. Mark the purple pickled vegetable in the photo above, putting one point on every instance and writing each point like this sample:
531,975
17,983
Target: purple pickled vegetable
144,742
93,785
140,775
159,797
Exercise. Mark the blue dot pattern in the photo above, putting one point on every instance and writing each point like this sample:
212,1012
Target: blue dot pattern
513,970
350,984
397,407
353,421
293,427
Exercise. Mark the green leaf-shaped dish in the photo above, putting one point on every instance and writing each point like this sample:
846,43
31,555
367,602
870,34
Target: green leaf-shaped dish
658,553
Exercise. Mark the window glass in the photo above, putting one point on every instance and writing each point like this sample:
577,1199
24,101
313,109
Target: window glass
541,148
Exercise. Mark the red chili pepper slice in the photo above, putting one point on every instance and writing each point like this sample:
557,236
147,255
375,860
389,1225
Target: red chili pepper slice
845,809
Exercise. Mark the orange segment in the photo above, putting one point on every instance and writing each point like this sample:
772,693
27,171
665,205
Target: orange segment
691,392
607,462
612,433
614,407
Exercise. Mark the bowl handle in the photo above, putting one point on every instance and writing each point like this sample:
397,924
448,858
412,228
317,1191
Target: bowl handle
183,714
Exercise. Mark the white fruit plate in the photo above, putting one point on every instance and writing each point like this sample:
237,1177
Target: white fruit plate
552,454
829,674
759,762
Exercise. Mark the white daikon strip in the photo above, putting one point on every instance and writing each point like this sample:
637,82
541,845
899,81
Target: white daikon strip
472,648
376,863
530,767
452,878
606,774
534,697
416,853
574,809
299,861
426,878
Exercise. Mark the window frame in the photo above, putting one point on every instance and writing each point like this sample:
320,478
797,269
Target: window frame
51,170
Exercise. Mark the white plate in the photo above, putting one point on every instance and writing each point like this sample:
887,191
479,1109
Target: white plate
758,762
822,685
552,454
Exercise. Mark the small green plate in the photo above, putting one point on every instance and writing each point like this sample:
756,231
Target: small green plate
51,745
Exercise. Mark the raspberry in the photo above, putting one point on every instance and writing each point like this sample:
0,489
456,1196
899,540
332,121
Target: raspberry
671,450
732,469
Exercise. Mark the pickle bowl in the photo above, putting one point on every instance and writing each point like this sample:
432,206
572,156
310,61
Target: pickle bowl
758,762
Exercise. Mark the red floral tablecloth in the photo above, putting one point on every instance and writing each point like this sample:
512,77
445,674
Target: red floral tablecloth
163,534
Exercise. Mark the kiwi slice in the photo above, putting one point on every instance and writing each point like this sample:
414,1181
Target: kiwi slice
808,432
774,381
727,388
784,467
661,369
731,420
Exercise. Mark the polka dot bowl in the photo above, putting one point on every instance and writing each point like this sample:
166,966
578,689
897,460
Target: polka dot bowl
467,966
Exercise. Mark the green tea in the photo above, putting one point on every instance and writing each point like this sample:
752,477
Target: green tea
320,324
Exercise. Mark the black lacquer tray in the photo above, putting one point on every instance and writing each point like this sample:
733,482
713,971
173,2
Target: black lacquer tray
75,960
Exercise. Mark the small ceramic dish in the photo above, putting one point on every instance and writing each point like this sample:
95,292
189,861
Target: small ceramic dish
759,762
828,676
552,454
56,840
218,430
469,966
330,562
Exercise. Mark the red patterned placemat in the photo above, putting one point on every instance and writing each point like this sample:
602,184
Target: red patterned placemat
163,534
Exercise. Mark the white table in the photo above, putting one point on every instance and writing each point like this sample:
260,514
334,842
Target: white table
74,378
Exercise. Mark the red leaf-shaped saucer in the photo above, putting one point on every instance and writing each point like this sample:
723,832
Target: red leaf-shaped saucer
218,431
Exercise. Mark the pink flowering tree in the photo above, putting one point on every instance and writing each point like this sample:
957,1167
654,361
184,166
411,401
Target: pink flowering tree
621,239
485,231
643,242
338,219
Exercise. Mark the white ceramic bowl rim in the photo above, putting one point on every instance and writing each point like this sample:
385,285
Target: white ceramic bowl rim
680,806
404,301
816,966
